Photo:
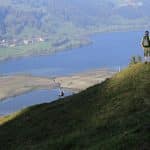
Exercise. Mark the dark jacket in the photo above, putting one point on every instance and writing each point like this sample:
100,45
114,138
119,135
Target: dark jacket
146,41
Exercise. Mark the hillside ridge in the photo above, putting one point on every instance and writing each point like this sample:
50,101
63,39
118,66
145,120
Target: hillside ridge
112,115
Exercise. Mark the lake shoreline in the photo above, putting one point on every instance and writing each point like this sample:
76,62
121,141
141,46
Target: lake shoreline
84,40
81,42
12,86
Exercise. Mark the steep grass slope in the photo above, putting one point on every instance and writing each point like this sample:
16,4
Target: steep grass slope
112,115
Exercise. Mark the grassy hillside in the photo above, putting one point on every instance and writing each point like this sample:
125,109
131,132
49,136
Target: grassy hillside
112,115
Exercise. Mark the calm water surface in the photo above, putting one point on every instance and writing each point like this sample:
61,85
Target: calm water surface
14,104
108,50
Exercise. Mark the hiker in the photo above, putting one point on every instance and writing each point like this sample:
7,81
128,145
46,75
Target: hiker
60,89
146,46
61,93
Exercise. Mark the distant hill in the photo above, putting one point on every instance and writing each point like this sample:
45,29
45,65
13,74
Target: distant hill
114,115
27,18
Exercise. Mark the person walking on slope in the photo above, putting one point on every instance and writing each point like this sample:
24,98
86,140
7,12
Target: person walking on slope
146,46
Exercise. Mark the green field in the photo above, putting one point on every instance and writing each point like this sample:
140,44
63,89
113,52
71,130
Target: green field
114,115
39,48
67,32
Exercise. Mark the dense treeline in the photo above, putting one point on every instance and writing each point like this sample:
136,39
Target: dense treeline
30,17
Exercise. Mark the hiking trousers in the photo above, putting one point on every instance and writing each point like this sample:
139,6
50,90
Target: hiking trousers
146,51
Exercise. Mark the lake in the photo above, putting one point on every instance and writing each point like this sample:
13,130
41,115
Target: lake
108,50
14,104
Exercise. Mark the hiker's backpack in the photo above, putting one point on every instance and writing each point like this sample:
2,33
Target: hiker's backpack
146,41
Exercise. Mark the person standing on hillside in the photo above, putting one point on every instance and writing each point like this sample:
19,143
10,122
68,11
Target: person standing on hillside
146,46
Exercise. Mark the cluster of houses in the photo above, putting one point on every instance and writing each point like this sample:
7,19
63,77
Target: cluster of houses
17,42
